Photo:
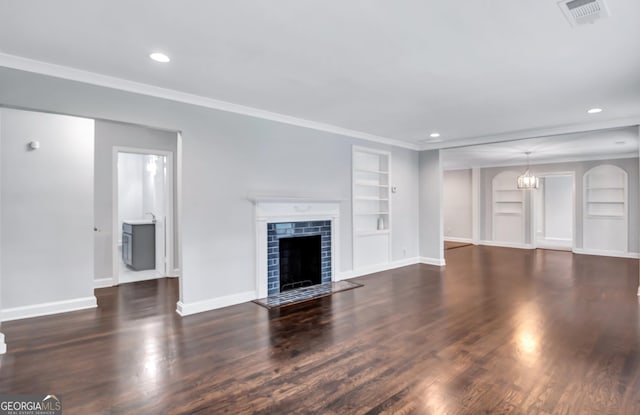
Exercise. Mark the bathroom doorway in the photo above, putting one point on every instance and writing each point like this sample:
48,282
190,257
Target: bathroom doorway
143,214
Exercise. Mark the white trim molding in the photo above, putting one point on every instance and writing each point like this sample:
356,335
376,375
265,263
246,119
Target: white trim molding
372,269
186,309
3,345
558,244
92,78
507,245
45,309
272,210
456,239
103,283
169,225
440,262
598,252
533,133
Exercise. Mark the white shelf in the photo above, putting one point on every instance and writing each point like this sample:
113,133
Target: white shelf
371,171
607,217
372,184
371,198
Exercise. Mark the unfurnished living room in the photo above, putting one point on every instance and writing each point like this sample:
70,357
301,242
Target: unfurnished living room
319,207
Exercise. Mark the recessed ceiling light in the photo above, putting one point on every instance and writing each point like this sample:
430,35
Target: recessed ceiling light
160,57
434,135
594,110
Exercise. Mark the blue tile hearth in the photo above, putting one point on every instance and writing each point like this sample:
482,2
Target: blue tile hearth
305,293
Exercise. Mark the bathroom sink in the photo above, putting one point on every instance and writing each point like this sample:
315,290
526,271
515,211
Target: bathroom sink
139,222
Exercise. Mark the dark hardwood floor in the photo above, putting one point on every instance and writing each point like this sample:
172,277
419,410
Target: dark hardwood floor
497,331
455,245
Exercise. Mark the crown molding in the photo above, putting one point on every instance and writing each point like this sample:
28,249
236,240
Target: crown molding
543,162
534,133
72,74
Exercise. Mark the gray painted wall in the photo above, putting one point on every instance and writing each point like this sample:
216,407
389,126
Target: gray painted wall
227,157
629,165
109,134
457,203
2,341
431,219
47,208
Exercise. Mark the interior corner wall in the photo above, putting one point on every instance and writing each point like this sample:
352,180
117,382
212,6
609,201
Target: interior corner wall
431,217
47,212
225,159
457,203
630,165
108,135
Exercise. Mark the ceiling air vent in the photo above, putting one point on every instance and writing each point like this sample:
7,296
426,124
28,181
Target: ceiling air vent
580,12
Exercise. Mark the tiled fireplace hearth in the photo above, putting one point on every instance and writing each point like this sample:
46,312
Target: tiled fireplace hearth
290,227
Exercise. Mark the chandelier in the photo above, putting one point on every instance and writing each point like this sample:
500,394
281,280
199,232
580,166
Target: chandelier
528,180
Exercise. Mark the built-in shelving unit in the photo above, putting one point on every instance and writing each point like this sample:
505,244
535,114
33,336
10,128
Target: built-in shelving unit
607,201
507,201
371,201
605,209
508,209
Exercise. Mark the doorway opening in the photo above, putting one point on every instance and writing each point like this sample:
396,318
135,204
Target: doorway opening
553,212
143,214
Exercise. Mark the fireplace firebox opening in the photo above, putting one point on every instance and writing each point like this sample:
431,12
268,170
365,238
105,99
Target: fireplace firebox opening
300,262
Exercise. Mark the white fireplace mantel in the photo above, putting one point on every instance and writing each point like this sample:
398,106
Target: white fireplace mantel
274,210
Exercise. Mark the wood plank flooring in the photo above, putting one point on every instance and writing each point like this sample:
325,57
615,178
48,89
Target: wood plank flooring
496,331
454,245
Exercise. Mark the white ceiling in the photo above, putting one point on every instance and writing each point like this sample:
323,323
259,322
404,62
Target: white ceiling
393,69
595,145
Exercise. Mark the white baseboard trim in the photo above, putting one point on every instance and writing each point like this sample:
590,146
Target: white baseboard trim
507,244
553,247
3,345
433,261
456,239
565,240
103,283
176,272
345,275
140,276
617,254
186,309
45,309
